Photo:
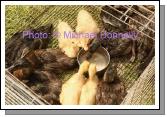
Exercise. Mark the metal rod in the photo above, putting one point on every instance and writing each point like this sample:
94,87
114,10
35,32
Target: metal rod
146,9
137,12
131,18
126,11
148,22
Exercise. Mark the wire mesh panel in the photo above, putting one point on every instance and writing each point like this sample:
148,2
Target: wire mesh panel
143,23
142,92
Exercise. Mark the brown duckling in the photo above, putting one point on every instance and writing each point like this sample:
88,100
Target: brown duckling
47,85
55,89
39,70
19,45
110,89
141,48
43,59
110,93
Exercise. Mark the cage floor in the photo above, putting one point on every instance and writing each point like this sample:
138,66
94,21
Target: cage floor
21,17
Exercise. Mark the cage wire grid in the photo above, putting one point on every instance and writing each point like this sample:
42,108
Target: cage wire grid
19,18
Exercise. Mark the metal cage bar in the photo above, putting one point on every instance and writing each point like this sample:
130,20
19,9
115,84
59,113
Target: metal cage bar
127,23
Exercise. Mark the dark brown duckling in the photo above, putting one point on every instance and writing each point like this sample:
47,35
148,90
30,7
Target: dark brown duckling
117,47
111,93
47,85
139,48
25,66
43,59
19,45
40,69
55,89
111,89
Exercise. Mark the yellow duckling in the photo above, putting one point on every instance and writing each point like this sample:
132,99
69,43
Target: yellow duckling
67,45
86,24
88,93
71,89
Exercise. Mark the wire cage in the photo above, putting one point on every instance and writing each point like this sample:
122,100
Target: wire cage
140,88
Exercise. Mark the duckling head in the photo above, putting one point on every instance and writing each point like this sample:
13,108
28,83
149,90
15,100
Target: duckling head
84,67
110,74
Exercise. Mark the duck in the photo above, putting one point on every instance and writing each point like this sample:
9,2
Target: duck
86,24
18,45
51,59
71,89
89,90
47,85
67,44
110,90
